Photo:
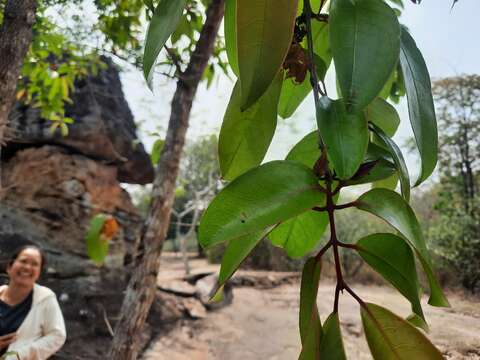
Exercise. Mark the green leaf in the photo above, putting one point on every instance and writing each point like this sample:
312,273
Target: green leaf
309,319
388,183
237,250
230,30
331,343
245,136
420,104
365,43
264,35
262,197
384,115
299,235
97,247
381,169
331,346
156,151
345,136
391,257
164,22
392,208
293,94
375,152
398,159
392,338
306,151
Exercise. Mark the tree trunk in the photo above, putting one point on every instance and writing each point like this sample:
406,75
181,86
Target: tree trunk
15,39
143,283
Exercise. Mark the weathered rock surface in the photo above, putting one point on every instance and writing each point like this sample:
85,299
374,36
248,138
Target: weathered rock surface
103,129
52,186
61,193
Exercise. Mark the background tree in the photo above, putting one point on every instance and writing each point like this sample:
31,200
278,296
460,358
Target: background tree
16,19
458,112
142,285
454,231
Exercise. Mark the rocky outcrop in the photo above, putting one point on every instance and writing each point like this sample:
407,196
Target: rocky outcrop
103,127
61,193
51,188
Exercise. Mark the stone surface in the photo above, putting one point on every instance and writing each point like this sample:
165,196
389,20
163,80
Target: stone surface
181,288
62,192
194,308
103,127
16,229
206,287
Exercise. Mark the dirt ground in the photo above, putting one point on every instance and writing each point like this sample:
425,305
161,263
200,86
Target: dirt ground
262,325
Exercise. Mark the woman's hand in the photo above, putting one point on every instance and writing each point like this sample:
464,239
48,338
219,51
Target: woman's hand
6,340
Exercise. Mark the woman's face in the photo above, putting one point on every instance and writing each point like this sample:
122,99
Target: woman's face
26,268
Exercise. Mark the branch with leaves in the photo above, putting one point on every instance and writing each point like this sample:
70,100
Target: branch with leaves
280,52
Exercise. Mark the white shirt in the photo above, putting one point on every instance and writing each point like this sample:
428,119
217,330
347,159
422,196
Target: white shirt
42,333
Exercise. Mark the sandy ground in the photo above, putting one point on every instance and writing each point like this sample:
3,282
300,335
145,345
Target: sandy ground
262,325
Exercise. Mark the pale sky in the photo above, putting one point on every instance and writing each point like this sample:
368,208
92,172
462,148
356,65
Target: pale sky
447,39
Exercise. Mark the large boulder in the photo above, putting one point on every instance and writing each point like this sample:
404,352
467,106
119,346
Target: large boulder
61,192
103,127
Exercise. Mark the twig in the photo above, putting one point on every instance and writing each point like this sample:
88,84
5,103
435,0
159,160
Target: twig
175,59
347,205
107,322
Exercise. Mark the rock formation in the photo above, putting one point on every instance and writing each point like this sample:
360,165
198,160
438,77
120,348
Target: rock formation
52,186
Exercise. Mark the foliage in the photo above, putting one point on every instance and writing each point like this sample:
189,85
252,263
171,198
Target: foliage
454,236
67,45
175,26
61,50
375,58
102,229
454,229
459,120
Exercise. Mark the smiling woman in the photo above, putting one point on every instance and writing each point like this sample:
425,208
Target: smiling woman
31,322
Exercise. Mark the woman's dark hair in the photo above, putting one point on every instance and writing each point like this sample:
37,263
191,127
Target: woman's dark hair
16,253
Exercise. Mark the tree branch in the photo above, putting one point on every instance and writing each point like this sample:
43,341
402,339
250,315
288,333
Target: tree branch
141,289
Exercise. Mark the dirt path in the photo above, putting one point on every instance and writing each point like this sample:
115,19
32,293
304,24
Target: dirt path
262,325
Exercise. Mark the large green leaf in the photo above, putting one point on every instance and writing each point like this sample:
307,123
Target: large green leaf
392,258
309,319
264,35
299,235
97,246
262,197
306,151
384,115
365,43
164,22
237,250
392,208
292,93
392,338
420,104
245,136
230,30
345,136
398,159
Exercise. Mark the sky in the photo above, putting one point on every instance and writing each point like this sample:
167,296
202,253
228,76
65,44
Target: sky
448,39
